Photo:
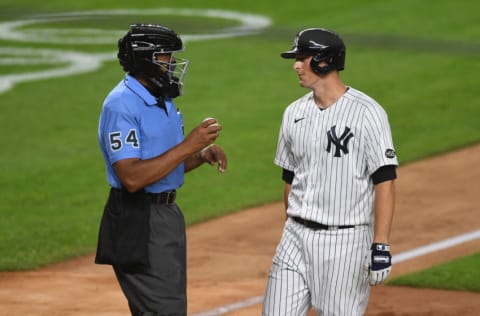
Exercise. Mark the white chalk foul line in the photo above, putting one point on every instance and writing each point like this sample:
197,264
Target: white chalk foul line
239,305
403,256
444,244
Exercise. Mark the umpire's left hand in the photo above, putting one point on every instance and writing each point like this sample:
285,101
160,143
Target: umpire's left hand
214,154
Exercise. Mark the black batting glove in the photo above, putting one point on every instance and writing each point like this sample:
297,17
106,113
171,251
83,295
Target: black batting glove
378,263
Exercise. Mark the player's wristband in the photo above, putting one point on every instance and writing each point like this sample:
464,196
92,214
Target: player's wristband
380,247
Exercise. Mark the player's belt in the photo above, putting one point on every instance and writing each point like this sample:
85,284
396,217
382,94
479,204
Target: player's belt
318,226
163,197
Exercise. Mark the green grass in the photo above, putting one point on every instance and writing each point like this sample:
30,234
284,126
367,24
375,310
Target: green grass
418,59
462,274
183,24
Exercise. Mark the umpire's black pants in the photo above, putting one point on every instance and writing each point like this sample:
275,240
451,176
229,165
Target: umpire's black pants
159,290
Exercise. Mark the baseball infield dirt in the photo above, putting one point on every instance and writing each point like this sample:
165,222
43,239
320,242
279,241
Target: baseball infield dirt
229,257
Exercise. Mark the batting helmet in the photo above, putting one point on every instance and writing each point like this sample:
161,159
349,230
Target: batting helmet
323,45
137,52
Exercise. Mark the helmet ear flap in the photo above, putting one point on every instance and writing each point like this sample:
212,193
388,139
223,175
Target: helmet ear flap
314,64
334,60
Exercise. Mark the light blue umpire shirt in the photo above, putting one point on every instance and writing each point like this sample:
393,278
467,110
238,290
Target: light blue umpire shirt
132,125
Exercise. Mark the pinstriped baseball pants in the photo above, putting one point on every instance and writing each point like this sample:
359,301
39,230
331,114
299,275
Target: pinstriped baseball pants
319,268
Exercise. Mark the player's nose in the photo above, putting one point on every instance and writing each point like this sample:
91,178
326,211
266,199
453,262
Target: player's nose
297,65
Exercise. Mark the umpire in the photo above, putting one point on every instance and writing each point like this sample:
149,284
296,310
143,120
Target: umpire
142,232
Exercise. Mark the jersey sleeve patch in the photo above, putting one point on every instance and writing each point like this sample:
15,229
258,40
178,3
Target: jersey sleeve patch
390,153
117,141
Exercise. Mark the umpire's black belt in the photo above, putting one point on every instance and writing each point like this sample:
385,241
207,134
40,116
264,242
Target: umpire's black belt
318,226
157,198
162,198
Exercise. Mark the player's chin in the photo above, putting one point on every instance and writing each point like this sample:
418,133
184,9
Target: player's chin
302,84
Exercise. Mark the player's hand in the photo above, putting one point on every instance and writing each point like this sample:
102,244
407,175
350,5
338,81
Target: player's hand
214,154
378,263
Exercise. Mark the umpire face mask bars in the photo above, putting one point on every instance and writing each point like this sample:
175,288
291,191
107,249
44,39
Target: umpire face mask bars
174,68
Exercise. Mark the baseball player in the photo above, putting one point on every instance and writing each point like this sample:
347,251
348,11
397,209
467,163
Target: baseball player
142,232
339,165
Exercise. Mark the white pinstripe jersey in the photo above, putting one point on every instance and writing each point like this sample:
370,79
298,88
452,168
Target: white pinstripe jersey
333,153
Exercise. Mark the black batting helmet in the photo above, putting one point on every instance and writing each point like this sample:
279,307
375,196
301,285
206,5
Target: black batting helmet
137,51
323,45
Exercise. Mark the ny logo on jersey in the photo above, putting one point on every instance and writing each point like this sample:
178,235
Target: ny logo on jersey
341,143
